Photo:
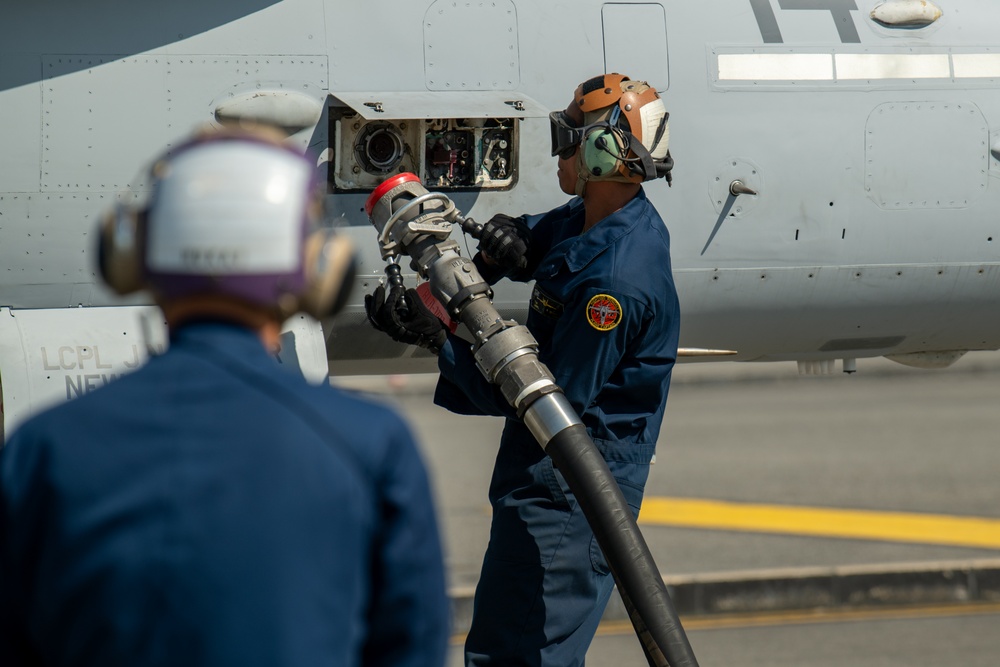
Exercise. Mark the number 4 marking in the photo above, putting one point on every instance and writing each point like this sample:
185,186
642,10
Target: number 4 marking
839,9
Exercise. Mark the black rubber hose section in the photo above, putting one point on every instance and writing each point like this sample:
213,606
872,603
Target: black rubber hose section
639,581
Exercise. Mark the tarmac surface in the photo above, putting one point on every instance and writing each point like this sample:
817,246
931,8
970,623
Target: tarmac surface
774,492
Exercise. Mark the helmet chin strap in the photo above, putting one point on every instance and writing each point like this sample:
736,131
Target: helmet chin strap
582,173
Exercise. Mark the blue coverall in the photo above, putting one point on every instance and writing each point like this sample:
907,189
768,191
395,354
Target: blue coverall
606,317
214,509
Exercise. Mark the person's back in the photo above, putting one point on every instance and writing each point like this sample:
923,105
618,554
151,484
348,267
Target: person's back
213,508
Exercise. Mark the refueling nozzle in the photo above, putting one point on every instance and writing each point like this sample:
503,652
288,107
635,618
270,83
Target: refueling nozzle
414,222
403,211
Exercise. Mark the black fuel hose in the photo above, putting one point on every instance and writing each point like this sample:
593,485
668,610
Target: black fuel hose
639,582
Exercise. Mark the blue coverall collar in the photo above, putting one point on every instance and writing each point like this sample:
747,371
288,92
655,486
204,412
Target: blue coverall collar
601,236
217,333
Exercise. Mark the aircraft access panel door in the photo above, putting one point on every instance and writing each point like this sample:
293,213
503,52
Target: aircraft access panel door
635,42
460,140
52,355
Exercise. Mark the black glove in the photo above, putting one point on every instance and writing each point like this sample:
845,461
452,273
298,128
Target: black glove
405,318
504,242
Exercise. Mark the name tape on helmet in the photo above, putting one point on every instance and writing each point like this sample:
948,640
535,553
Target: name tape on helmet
229,208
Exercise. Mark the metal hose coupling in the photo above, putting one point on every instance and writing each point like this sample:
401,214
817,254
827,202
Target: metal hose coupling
417,223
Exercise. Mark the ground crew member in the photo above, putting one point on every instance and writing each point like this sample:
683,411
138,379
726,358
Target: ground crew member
605,314
213,508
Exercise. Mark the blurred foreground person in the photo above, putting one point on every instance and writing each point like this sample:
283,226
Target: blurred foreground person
213,508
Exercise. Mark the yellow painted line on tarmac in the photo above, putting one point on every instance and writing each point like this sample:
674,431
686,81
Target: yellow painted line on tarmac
958,531
805,617
781,618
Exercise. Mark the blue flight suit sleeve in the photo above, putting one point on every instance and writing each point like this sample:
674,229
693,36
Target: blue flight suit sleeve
462,389
20,519
409,616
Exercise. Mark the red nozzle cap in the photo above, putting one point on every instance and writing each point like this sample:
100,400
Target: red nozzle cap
385,186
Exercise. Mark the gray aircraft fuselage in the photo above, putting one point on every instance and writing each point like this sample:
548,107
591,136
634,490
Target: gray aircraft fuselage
872,148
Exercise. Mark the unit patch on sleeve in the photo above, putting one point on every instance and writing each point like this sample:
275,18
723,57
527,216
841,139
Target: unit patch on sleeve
604,312
543,303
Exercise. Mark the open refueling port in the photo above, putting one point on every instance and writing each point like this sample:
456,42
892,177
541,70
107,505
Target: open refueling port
452,141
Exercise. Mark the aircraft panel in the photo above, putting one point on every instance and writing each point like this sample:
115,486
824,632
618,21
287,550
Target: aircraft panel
911,163
289,27
810,69
357,34
141,104
486,33
625,26
843,309
20,161
66,353
58,354
758,67
382,105
560,41
976,65
882,66
46,249
90,103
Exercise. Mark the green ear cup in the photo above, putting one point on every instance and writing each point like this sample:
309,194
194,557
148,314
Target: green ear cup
601,151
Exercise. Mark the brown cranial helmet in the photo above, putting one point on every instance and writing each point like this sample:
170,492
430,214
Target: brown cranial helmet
625,130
